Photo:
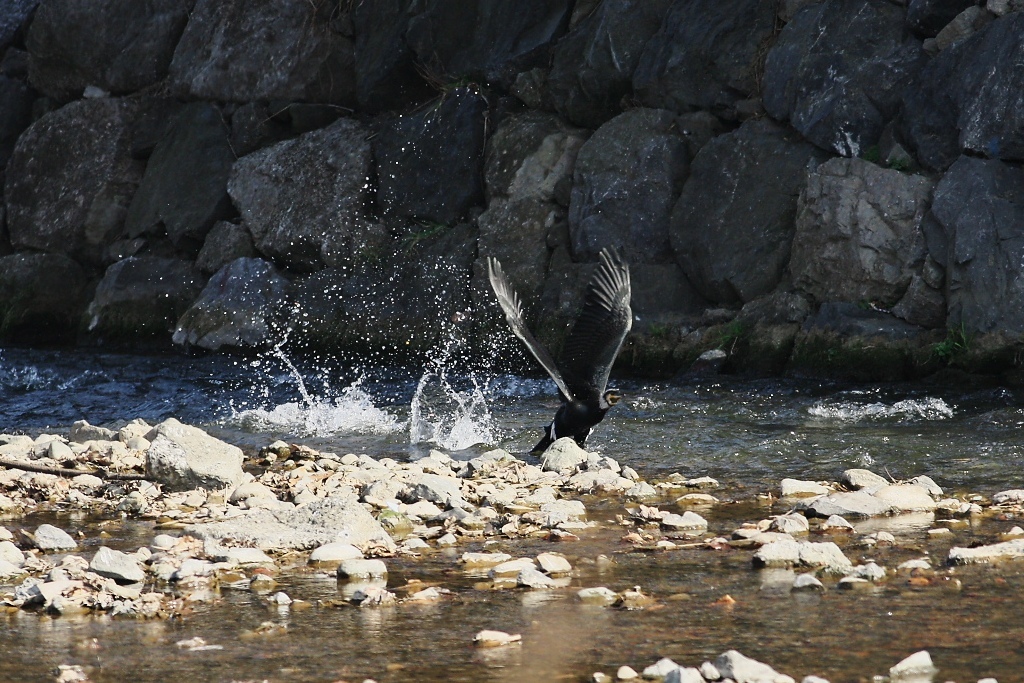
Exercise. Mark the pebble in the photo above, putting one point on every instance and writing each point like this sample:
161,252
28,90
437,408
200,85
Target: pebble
914,666
564,455
10,569
793,523
710,672
807,582
331,553
415,543
739,667
49,537
483,559
361,569
447,539
425,595
837,522
862,479
626,673
688,521
599,595
870,571
495,638
531,577
511,567
550,563
11,553
796,488
853,583
280,598
911,565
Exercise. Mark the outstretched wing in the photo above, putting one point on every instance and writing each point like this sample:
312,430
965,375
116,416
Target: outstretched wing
513,309
597,336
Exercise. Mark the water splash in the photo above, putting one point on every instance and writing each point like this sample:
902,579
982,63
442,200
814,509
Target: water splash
441,412
351,411
928,408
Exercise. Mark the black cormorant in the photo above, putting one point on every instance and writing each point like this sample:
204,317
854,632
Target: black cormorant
590,350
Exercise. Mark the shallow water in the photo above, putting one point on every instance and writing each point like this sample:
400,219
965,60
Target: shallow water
748,434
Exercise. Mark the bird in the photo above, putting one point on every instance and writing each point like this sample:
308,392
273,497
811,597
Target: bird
589,352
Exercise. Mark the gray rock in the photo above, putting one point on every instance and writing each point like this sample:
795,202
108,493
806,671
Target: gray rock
564,455
743,669
553,564
870,571
336,518
438,489
182,457
862,479
928,483
82,431
74,44
599,595
704,56
117,565
837,71
15,113
223,244
592,67
1006,550
980,205
184,190
385,66
779,553
70,179
906,497
948,107
922,304
858,235
7,569
235,307
684,675
142,296
733,224
42,298
968,22
659,669
490,43
429,164
856,504
836,522
239,51
688,521
787,553
362,569
303,199
792,523
48,537
241,556
11,554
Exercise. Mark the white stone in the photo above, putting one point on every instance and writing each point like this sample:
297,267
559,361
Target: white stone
551,563
599,595
743,669
532,578
49,537
362,569
11,553
626,673
484,559
660,668
564,455
797,488
917,664
495,638
116,565
511,567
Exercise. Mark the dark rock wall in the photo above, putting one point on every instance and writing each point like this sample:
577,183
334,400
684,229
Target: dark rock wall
831,186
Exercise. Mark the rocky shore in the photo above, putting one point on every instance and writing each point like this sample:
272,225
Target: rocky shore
221,522
828,187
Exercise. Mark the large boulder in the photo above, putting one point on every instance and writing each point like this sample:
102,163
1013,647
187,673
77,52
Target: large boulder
734,222
14,16
528,169
928,17
42,298
181,457
486,40
223,244
15,116
244,50
705,56
142,296
303,199
837,71
627,179
430,164
980,205
339,518
385,66
234,308
858,232
968,99
184,190
592,67
71,178
117,45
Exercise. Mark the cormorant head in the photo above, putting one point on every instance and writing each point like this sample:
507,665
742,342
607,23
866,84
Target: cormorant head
610,397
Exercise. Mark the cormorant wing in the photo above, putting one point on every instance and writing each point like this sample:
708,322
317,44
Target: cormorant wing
601,328
513,309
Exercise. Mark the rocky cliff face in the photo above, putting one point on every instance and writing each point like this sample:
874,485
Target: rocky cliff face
831,186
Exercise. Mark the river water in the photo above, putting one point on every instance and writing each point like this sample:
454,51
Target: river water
748,434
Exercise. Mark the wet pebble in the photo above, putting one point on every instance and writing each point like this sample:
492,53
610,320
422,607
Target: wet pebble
599,595
48,537
550,563
807,582
360,569
626,673
489,638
